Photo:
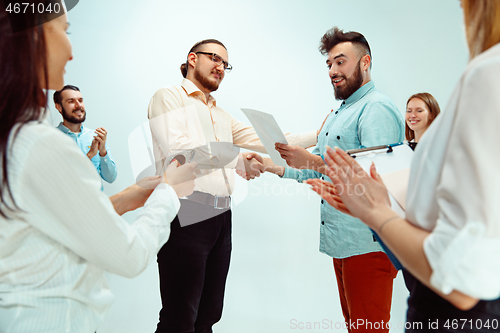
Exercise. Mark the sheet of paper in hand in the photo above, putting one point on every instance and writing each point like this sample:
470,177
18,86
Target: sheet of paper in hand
269,133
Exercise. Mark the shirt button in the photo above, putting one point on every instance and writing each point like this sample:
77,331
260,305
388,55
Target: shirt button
322,201
322,178
326,134
336,112
338,137
322,222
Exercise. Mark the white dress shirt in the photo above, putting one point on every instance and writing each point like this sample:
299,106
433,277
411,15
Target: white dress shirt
454,188
55,249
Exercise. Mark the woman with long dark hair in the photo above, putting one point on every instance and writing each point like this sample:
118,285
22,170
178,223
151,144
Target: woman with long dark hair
449,242
58,231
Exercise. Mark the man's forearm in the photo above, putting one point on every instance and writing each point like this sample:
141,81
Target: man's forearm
317,164
269,166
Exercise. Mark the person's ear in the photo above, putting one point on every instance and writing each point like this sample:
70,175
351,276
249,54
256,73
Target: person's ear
191,59
58,107
366,60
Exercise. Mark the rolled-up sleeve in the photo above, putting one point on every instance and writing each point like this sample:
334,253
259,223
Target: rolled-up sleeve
464,247
301,175
107,167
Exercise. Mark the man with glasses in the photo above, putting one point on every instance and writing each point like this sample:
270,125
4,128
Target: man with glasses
194,263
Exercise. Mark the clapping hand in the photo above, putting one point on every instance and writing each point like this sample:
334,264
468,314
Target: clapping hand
180,177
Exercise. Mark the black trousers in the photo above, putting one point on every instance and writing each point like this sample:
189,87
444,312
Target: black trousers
193,267
428,312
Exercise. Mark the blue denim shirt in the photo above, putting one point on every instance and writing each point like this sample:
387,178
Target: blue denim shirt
104,165
367,118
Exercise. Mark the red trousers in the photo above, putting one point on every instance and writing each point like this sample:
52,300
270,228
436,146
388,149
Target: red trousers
365,290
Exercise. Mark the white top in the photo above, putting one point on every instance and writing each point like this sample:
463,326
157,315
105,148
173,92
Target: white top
53,254
454,186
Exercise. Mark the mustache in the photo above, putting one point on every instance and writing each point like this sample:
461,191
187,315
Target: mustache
79,109
217,71
338,77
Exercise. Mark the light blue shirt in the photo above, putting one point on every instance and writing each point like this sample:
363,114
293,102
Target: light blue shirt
104,165
366,119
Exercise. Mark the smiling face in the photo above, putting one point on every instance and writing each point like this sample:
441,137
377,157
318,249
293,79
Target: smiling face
206,74
417,115
72,107
59,51
345,69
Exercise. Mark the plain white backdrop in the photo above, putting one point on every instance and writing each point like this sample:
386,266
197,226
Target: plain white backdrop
125,50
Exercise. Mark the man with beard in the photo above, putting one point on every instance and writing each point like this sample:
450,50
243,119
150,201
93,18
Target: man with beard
69,102
194,263
366,118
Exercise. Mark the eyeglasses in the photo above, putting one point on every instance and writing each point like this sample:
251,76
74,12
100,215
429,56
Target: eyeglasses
218,60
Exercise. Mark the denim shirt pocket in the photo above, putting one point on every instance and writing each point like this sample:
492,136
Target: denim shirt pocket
347,138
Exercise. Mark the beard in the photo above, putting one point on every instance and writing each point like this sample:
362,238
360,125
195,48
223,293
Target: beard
205,82
68,115
352,84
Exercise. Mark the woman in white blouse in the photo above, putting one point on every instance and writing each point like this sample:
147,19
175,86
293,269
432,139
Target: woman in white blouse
58,231
449,242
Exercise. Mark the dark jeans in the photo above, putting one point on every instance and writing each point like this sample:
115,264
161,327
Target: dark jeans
193,267
428,312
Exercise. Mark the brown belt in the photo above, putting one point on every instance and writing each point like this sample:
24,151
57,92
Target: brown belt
218,202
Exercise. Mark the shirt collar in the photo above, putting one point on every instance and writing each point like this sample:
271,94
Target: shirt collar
358,94
192,89
67,130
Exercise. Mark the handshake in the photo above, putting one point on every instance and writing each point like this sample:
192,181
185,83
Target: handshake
252,165
181,177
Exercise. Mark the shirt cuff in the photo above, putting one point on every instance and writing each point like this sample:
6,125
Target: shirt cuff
233,163
289,173
465,260
307,139
165,195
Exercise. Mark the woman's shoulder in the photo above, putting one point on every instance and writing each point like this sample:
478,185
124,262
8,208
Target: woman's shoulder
37,138
36,133
32,145
485,66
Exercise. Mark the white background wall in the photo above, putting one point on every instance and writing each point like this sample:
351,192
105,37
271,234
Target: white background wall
125,50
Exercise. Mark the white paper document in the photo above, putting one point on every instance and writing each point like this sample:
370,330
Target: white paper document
393,168
268,131
397,184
